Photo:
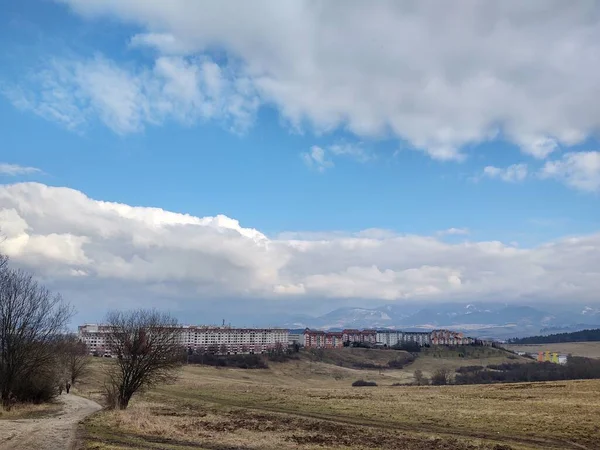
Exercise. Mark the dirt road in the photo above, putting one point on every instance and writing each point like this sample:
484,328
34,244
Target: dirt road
50,433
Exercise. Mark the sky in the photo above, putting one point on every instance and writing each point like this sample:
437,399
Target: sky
301,155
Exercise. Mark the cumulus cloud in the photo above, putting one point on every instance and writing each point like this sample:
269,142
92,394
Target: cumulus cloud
510,174
15,169
525,71
577,170
97,250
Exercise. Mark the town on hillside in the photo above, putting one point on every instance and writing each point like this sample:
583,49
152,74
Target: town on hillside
229,340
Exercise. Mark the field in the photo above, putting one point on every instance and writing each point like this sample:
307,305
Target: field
586,349
310,404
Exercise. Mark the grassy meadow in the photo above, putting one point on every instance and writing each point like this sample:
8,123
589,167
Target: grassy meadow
309,404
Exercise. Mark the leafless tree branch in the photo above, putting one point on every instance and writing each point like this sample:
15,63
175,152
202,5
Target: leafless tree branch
147,345
31,320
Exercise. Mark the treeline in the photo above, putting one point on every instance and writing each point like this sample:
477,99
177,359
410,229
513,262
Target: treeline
398,363
577,368
37,356
218,357
238,361
591,335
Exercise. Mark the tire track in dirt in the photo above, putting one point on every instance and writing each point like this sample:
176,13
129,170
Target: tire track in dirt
56,432
542,443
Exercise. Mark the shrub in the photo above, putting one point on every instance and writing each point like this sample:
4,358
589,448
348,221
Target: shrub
441,377
360,383
468,369
37,388
576,368
111,396
420,379
411,347
236,361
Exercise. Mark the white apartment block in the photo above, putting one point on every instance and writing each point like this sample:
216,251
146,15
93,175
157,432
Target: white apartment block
94,336
202,339
389,338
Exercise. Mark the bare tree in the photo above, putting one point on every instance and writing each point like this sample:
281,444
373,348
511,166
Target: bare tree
75,357
31,319
441,376
420,379
148,348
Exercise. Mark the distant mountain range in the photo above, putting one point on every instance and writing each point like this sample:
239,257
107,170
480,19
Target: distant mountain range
477,319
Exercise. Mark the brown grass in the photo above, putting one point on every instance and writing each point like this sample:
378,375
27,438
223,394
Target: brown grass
586,349
310,405
29,411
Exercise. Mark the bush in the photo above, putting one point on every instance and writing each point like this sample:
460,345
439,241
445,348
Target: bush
576,368
441,377
237,361
468,369
503,366
360,383
420,379
37,388
411,347
399,364
111,396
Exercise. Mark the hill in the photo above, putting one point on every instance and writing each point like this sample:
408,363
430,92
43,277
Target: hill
592,335
585,349
307,404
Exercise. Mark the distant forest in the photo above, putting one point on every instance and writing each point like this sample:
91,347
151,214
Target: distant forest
577,336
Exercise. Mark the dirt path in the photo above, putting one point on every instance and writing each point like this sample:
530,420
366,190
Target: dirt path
50,433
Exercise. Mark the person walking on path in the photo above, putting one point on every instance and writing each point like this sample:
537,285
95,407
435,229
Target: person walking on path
67,387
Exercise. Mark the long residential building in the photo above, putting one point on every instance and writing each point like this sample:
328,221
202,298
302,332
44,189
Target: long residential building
323,339
224,340
390,338
385,338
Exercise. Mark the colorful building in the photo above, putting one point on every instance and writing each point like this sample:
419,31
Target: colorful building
323,339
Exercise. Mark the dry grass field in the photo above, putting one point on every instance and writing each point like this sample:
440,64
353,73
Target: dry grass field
586,349
308,404
28,411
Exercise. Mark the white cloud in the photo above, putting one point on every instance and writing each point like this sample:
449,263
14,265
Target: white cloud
320,158
100,251
355,151
186,89
524,70
510,174
577,170
316,159
15,169
454,232
540,147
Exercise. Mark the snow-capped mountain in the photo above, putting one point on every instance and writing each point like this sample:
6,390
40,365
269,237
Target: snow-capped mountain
486,320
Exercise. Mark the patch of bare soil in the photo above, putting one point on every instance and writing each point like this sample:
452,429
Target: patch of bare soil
56,432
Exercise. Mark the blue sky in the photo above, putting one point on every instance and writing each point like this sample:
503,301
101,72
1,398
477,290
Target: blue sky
287,130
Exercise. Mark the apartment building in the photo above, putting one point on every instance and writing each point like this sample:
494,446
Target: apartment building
94,336
390,338
359,336
234,340
447,337
323,339
201,339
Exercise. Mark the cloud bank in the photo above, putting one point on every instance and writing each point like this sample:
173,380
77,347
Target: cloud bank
98,251
526,71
